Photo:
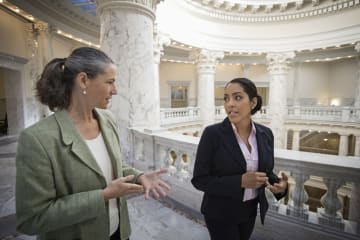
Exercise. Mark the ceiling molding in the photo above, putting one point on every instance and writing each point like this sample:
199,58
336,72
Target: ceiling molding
64,16
265,11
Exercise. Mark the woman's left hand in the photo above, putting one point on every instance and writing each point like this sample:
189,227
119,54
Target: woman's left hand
279,187
151,182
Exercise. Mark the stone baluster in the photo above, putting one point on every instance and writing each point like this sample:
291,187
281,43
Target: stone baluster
278,67
298,197
126,35
329,214
206,64
184,173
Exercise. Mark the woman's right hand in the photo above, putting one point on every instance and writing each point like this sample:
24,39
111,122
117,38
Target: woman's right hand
120,187
253,179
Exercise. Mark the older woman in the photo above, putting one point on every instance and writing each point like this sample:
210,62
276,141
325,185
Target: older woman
70,181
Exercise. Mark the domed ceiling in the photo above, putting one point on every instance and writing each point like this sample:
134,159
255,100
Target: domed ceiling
314,29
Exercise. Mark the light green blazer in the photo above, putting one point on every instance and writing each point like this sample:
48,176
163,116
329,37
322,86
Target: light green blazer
59,184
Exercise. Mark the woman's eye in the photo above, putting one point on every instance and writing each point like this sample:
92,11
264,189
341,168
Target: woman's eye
238,98
226,99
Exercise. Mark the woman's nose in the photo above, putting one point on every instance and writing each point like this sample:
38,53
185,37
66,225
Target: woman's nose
114,91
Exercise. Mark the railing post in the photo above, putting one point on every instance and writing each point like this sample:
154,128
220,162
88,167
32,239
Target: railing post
329,214
296,206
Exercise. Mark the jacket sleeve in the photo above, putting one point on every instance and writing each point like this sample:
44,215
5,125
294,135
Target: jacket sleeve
272,175
204,178
38,208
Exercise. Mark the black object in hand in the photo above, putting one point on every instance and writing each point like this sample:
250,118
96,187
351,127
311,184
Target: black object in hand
273,179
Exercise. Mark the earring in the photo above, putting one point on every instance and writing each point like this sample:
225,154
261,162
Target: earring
84,92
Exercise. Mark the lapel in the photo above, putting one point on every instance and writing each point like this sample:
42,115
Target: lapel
232,144
71,137
111,140
262,142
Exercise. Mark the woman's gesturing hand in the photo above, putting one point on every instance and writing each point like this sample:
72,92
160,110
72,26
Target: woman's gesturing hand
121,187
152,183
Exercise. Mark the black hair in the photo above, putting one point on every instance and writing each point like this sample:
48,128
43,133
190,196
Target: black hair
55,85
250,89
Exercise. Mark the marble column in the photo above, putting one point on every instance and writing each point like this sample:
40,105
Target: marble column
160,40
296,140
343,145
246,70
206,61
39,50
44,35
296,100
357,91
278,67
126,35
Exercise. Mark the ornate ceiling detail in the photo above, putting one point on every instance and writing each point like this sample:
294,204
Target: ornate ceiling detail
266,11
64,16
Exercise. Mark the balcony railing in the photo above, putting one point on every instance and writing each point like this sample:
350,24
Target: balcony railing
179,115
177,153
315,113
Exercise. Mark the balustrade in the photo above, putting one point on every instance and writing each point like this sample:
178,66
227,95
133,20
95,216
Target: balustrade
320,113
177,153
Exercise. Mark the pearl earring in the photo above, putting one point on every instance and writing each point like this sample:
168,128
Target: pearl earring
84,92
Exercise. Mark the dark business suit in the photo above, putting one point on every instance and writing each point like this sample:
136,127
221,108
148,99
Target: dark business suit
218,171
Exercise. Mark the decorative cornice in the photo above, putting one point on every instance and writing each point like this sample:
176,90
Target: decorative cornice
252,12
147,7
64,16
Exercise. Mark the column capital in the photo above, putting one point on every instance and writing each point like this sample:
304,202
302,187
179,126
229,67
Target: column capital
147,7
206,59
279,63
